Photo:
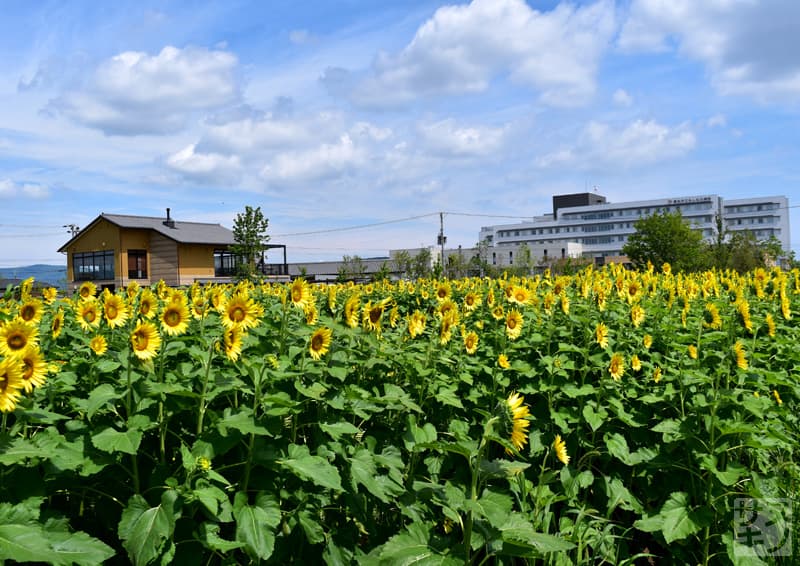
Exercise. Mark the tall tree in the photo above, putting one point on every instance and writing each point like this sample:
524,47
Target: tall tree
665,237
250,234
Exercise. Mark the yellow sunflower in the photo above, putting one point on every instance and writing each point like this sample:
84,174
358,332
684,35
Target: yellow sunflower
148,303
637,315
657,374
87,290
770,325
372,314
242,311
351,310
175,318
300,293
34,369
115,310
502,361
31,311
617,366
636,363
320,342
711,317
741,355
513,324
145,340
98,345
498,313
88,314
232,341
11,384
601,335
647,341
471,342
519,295
50,294
131,290
560,448
777,396
16,336
58,324
692,351
516,420
312,316
416,323
443,291
446,327
472,300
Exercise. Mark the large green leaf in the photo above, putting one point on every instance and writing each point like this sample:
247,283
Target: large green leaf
256,524
99,397
363,471
412,547
243,421
147,531
111,440
312,468
522,539
680,521
209,535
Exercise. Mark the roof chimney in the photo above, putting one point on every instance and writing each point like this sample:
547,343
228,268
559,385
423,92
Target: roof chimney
169,222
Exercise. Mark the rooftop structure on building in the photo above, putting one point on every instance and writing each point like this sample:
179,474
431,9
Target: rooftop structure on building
602,228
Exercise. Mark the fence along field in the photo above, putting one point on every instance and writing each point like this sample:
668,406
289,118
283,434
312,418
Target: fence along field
601,418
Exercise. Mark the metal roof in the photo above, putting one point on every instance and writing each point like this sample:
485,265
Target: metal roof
181,232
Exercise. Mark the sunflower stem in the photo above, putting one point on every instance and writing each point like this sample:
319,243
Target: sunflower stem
251,444
202,409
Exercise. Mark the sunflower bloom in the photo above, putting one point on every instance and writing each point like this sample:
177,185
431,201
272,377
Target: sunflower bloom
311,314
242,311
87,290
770,325
560,448
57,325
31,311
513,324
351,310
637,315
601,335
232,342
565,303
88,314
711,317
175,318
145,340
471,342
443,291
617,366
300,293
472,300
636,363
98,345
657,374
741,355
416,323
647,341
502,361
115,311
777,397
517,420
34,369
147,303
320,342
446,328
11,384
519,295
786,309
693,351
16,336
498,313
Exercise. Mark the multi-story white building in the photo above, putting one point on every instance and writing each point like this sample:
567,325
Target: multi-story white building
602,228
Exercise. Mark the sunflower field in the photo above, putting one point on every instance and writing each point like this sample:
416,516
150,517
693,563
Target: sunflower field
608,417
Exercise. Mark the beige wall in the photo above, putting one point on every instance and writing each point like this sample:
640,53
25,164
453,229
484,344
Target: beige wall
195,262
104,236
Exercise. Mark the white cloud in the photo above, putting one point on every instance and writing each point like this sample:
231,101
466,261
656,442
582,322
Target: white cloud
622,98
300,36
462,48
717,120
639,143
748,47
205,167
11,189
447,138
325,161
135,93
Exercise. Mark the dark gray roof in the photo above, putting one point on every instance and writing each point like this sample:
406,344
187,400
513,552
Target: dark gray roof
181,232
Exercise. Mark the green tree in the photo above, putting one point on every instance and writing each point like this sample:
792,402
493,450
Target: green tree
421,264
665,237
250,235
351,269
402,263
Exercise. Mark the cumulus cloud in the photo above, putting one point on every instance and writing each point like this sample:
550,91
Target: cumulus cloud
205,167
748,47
622,98
11,189
462,48
639,143
135,93
447,138
323,162
717,121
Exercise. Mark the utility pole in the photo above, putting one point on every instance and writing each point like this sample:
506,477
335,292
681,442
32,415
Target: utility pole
73,229
441,240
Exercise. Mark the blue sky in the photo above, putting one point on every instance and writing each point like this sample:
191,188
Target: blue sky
330,115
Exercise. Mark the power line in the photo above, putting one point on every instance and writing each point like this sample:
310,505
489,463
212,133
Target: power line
357,227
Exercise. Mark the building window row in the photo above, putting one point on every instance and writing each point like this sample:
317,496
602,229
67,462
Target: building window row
93,266
137,264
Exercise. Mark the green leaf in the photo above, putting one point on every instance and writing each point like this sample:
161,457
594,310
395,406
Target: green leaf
619,496
448,395
146,531
492,506
572,391
100,397
315,391
363,471
618,447
519,532
595,419
314,532
411,547
256,524
312,468
679,520
337,430
209,535
243,421
110,440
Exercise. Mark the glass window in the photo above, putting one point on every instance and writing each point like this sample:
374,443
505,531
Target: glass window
93,266
137,264
225,263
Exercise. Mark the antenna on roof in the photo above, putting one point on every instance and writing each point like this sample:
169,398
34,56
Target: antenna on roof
73,229
169,222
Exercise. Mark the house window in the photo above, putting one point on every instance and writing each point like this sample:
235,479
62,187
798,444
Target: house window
93,266
225,263
137,264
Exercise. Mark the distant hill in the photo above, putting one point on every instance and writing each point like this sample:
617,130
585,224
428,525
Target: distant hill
54,275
